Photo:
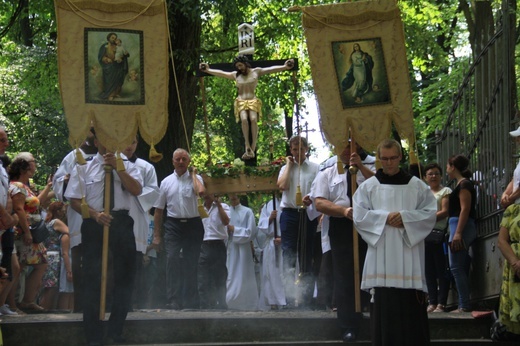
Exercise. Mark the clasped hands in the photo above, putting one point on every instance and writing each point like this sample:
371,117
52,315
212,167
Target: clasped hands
394,219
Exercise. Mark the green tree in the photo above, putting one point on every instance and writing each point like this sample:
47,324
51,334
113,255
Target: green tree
207,31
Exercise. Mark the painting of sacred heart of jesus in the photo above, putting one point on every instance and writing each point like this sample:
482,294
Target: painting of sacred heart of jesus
361,72
114,68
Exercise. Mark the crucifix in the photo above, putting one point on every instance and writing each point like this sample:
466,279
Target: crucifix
246,72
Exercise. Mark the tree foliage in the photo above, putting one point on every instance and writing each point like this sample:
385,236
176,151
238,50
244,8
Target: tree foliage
441,37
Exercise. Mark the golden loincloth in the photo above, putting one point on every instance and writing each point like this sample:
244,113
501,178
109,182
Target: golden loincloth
244,105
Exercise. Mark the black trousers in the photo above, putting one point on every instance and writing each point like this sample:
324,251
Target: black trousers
77,276
182,237
212,275
398,317
326,282
7,251
122,247
342,250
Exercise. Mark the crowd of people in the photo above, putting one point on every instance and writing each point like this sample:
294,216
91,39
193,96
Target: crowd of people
413,240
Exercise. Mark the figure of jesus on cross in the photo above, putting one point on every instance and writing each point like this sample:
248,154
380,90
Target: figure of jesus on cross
247,106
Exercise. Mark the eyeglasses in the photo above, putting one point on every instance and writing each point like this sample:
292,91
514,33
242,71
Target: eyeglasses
432,174
388,159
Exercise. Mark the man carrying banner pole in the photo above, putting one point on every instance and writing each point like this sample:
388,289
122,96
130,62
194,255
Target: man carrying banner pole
106,223
332,194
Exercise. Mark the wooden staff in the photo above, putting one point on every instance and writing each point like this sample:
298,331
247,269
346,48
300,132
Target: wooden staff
206,122
276,254
104,254
355,241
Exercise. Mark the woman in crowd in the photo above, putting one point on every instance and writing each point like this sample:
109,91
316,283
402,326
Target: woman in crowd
463,230
508,243
27,206
435,261
58,258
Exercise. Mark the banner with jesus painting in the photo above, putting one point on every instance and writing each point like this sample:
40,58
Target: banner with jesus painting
113,69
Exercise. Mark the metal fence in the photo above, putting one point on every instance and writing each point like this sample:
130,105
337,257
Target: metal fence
479,121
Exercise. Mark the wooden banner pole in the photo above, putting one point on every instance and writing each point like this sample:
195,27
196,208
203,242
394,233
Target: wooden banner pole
104,254
355,240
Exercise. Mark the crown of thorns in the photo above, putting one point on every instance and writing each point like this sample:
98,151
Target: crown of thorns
241,58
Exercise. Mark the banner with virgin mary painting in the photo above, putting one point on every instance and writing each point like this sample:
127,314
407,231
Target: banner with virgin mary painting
360,71
113,69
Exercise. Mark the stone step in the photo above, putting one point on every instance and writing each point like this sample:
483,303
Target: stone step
197,327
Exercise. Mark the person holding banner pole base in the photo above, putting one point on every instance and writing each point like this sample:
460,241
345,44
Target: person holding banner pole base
332,193
89,182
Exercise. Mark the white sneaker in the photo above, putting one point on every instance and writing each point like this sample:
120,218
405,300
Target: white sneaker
4,310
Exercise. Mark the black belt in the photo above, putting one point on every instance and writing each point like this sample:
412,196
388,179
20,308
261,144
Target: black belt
290,209
339,218
119,212
176,219
213,241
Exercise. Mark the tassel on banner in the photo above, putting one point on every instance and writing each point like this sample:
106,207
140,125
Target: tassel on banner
120,166
84,208
79,158
154,155
299,199
202,211
341,168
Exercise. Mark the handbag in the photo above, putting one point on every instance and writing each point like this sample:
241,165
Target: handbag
39,232
436,236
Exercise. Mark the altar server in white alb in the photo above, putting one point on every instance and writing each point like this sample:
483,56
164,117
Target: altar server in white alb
242,291
393,213
272,293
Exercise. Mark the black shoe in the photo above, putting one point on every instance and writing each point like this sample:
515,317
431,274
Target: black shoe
349,336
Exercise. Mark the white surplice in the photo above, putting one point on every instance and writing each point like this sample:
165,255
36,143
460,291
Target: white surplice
395,256
242,291
272,288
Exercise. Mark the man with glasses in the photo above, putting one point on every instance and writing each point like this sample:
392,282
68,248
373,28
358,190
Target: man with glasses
393,213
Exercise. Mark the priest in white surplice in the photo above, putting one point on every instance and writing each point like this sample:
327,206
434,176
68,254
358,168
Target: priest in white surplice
393,213
242,291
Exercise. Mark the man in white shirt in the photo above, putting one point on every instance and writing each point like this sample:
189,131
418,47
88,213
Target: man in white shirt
332,193
212,270
89,181
139,209
183,231
60,181
394,212
7,221
297,230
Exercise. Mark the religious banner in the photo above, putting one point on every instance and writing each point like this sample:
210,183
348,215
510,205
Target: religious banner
113,69
359,71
